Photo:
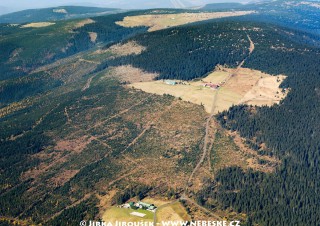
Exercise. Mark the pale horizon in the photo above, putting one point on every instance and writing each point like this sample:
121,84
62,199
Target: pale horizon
18,5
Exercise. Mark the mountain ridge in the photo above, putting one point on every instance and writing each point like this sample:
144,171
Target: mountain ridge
55,13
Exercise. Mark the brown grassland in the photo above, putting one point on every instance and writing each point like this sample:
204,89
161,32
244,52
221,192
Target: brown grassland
245,86
162,21
37,25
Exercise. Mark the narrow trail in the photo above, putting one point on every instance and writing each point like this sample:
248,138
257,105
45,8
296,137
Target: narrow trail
139,136
206,139
209,153
88,83
89,61
67,115
131,172
251,49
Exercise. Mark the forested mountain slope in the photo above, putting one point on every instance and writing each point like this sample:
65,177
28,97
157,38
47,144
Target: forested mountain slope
72,147
289,130
192,51
72,135
303,15
54,14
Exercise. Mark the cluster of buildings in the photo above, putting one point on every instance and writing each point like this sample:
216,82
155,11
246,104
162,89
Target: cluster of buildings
170,82
211,85
140,205
207,84
173,82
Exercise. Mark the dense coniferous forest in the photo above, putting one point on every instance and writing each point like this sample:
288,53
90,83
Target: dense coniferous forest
189,52
53,14
205,45
290,130
19,54
291,14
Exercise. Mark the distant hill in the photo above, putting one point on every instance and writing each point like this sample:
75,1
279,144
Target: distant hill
55,13
293,14
218,6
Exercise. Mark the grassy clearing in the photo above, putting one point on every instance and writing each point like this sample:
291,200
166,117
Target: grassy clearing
129,74
162,21
37,25
192,93
83,23
129,48
156,202
114,214
266,92
173,212
245,86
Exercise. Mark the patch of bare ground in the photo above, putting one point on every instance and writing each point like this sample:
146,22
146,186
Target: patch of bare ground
156,175
172,212
202,175
15,106
162,21
270,163
55,158
265,92
83,23
15,54
75,145
202,172
185,129
130,74
128,48
225,153
37,25
93,36
63,149
199,213
231,150
67,72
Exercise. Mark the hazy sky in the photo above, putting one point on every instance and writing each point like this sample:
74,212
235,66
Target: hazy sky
15,5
